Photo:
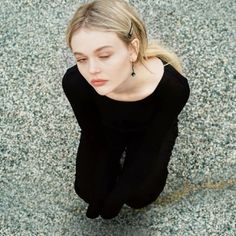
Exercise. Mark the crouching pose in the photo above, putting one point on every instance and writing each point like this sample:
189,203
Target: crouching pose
126,95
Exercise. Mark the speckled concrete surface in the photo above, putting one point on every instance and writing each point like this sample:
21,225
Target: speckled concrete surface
40,136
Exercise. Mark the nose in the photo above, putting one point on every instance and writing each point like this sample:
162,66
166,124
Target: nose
93,67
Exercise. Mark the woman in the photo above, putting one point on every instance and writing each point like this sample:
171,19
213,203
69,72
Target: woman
126,95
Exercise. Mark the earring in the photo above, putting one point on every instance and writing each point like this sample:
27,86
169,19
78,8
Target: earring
133,73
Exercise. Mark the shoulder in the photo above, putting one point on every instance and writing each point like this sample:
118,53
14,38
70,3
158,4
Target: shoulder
72,75
171,81
72,70
174,90
73,81
175,82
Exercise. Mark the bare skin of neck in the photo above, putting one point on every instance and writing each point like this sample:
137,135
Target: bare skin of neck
143,84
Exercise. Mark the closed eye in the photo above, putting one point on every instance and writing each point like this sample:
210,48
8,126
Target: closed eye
81,60
107,56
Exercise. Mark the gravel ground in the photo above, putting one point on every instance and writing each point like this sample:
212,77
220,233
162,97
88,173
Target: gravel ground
40,135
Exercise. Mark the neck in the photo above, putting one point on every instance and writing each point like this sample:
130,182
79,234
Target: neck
133,84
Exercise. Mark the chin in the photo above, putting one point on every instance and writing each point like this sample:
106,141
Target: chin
102,92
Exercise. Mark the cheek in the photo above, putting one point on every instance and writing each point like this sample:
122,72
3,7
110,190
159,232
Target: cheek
119,66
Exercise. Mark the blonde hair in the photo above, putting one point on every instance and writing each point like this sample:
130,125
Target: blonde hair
120,17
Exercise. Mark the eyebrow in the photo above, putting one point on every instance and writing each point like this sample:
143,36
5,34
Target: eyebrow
97,50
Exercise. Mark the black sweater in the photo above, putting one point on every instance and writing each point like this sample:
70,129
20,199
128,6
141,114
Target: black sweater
109,123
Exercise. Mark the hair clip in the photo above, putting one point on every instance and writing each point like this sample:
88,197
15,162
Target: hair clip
130,31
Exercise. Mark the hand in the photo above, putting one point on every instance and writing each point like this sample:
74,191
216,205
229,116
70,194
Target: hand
111,208
92,211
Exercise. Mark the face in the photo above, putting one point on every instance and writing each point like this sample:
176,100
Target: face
103,59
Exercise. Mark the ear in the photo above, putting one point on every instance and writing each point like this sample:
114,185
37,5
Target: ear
134,50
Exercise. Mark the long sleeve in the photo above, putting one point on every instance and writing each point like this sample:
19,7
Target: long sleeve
172,97
94,164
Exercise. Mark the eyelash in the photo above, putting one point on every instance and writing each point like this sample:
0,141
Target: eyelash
83,60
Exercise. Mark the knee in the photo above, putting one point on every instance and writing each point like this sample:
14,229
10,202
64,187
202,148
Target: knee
147,194
142,200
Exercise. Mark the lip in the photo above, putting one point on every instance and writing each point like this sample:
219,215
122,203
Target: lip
98,82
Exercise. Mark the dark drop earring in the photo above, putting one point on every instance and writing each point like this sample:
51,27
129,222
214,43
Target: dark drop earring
133,73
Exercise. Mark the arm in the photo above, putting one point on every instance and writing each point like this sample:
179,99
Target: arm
173,97
94,158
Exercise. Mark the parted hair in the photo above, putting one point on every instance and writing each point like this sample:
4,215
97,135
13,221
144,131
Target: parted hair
120,17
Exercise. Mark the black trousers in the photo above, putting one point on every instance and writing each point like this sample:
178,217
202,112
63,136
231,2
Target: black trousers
98,167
